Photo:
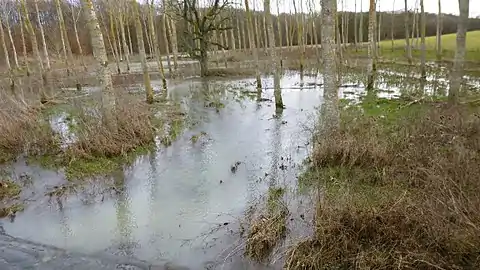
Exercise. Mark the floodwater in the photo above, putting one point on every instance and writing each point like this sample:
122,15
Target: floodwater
183,203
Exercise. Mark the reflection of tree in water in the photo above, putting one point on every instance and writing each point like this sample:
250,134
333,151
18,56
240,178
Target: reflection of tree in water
126,243
277,151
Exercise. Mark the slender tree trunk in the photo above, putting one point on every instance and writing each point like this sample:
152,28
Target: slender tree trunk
111,40
361,21
379,32
392,27
61,24
156,52
10,37
439,31
408,48
7,58
371,46
42,35
355,28
44,96
130,46
173,39
77,39
457,72
141,51
253,48
165,40
287,33
24,43
233,46
330,111
423,47
274,59
279,29
103,73
126,51
4,45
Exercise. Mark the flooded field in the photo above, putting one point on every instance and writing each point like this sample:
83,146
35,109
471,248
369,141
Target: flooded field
183,204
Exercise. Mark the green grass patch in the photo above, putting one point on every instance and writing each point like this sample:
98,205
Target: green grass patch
448,48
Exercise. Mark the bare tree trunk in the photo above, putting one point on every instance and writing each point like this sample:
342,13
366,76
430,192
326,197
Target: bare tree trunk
24,43
141,51
156,52
408,48
103,73
61,24
439,31
276,78
126,51
77,39
457,72
10,37
7,58
130,46
361,21
423,47
287,33
379,27
253,48
44,96
4,45
330,111
42,35
355,33
173,39
300,41
392,27
111,40
165,40
371,46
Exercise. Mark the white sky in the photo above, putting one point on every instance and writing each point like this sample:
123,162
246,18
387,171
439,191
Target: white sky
431,6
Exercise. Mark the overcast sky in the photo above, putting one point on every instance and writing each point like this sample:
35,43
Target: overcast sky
448,6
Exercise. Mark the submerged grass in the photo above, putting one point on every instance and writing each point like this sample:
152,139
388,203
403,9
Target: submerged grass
400,189
267,229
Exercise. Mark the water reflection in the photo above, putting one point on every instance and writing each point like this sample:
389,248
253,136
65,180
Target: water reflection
181,203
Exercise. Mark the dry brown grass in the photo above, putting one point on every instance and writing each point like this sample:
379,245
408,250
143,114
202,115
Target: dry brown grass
95,139
404,193
21,129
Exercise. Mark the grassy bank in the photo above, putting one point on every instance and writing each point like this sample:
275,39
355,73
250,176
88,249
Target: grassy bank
448,48
400,189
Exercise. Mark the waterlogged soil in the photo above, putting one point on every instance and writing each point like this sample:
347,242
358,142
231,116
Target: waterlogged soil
183,204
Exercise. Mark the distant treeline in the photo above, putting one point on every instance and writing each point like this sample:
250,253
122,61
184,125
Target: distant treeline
48,16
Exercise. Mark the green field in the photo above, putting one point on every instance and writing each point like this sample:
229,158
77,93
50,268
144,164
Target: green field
448,47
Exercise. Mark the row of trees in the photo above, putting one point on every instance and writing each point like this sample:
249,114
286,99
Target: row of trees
200,27
117,23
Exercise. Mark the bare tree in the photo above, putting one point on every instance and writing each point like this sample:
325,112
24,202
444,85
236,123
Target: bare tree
408,48
439,31
422,44
253,48
4,45
330,111
201,25
103,72
457,72
61,24
371,46
274,59
42,35
141,51
156,49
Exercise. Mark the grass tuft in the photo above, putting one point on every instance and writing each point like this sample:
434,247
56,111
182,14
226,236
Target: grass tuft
400,188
